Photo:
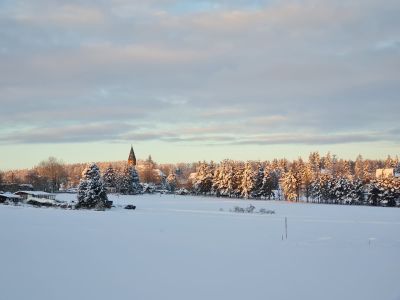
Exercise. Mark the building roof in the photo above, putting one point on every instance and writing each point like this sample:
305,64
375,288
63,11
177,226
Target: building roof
10,195
35,193
132,157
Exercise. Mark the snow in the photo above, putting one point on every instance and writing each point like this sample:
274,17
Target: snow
184,247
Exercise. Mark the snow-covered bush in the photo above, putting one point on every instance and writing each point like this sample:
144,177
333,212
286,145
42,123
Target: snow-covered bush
182,191
250,209
148,188
238,209
264,211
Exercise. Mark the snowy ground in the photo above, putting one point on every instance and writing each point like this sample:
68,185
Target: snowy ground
187,248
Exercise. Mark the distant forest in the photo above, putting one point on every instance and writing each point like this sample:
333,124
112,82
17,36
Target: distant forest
326,178
53,174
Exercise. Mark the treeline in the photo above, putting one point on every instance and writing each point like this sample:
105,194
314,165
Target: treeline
324,179
53,174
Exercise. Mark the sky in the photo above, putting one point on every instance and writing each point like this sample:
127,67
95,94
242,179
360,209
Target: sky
197,80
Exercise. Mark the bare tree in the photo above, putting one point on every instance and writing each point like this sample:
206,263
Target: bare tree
53,170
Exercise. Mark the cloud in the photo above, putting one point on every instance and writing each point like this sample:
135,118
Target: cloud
316,139
238,72
67,134
64,15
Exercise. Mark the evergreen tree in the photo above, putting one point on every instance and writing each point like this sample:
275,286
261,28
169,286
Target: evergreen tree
306,180
314,161
129,183
356,193
390,162
217,181
137,188
258,182
290,186
110,177
329,189
229,183
297,170
341,190
164,185
322,188
225,179
359,168
374,194
268,184
389,191
238,169
247,181
172,181
316,189
203,179
91,189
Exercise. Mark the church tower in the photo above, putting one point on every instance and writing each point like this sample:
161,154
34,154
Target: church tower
132,158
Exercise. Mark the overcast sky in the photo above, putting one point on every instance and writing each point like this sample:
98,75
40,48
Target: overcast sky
193,80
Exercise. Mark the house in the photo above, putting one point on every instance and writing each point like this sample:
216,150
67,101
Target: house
35,194
26,187
9,197
386,173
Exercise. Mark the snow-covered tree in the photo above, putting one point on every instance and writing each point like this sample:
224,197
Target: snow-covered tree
172,181
391,162
290,186
374,194
389,191
129,183
110,177
229,182
306,180
91,189
341,190
238,169
247,181
297,169
314,161
268,183
359,168
356,194
322,188
258,182
203,180
316,189
225,180
217,181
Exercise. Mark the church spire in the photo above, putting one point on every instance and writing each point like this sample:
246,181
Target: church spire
132,158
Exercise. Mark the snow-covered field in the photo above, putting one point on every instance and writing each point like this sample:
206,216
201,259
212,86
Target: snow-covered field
183,247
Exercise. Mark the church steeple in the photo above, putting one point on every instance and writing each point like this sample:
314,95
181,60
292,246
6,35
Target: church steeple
132,158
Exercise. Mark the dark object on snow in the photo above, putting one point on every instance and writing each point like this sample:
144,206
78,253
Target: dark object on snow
130,206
